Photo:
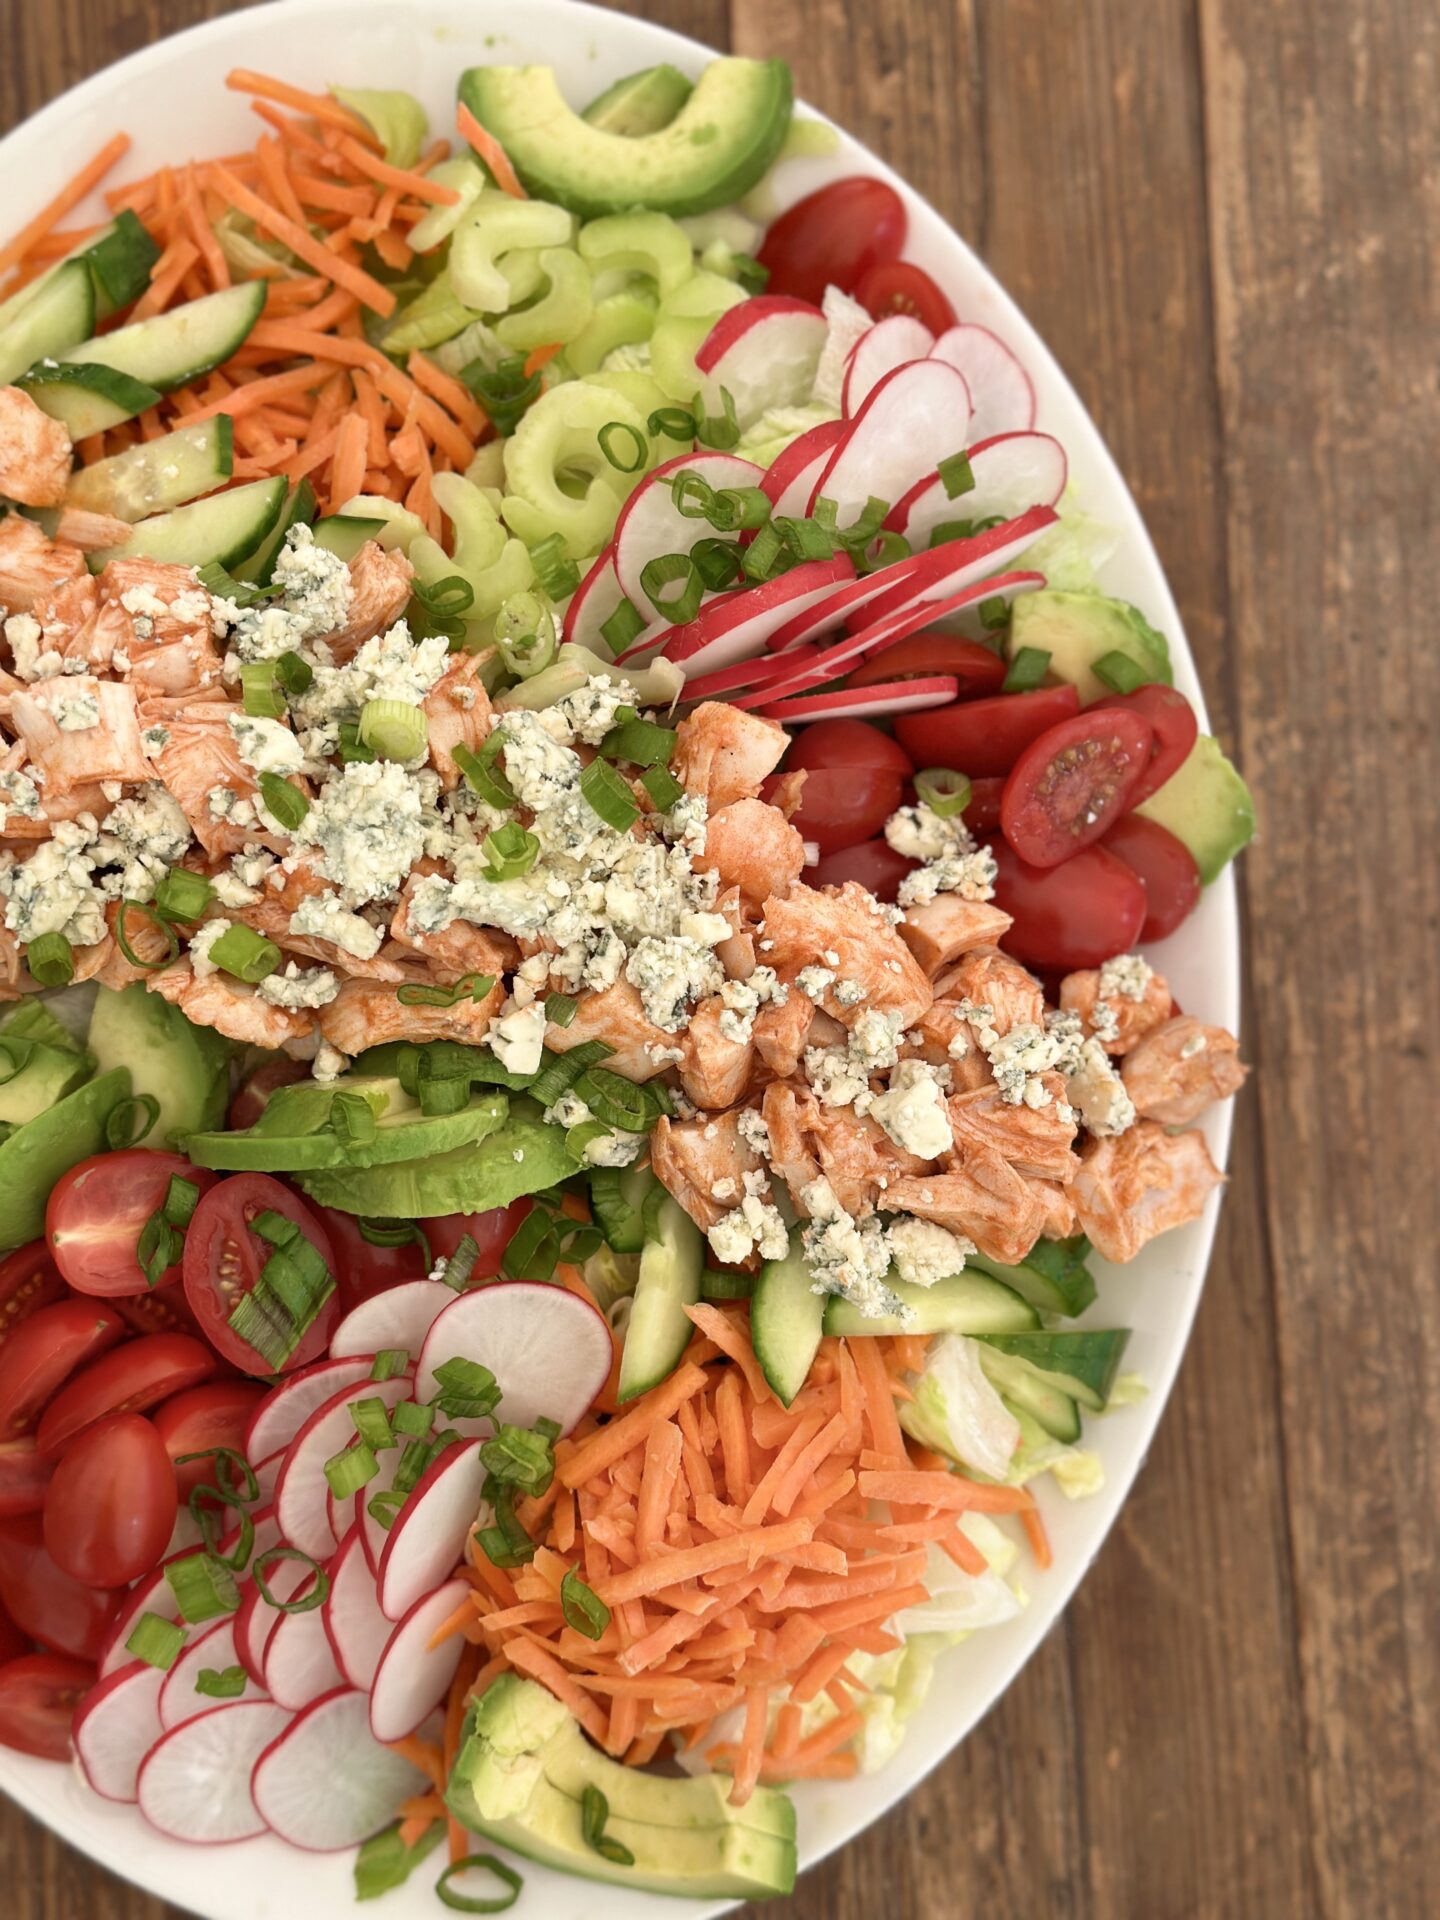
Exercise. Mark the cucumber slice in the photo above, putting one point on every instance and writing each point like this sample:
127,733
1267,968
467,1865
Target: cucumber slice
659,1329
617,1199
158,474
174,348
226,528
344,534
1044,1412
787,1317
119,260
966,1302
1053,1276
46,319
641,103
87,397
302,505
1083,1365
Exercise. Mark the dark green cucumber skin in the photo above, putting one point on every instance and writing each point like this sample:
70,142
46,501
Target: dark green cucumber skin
1053,1276
1082,1364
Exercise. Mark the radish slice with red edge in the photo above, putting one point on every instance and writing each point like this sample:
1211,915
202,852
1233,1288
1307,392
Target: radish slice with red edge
375,1532
911,420
1000,389
211,1651
866,703
1011,472
357,1628
299,1662
591,605
302,1491
959,564
748,673
264,1530
790,479
152,1594
117,1724
736,626
763,353
267,1472
549,1351
963,619
394,1321
413,1676
889,344
326,1783
256,1619
428,1534
651,525
280,1416
195,1781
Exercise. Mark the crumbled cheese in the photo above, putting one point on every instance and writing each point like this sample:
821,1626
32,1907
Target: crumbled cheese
614,1149
18,795
590,710
54,891
836,1079
815,982
23,635
75,712
154,740
268,746
753,1132
317,584
1105,1022
913,1112
849,993
844,1255
1097,1092
708,928
296,987
517,1039
324,917
568,1111
874,1039
754,1226
329,1063
924,1253
369,822
670,973
141,836
1126,976
743,999
952,861
201,941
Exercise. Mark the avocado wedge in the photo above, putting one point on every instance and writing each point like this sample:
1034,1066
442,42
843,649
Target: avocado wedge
295,1132
520,1155
35,1155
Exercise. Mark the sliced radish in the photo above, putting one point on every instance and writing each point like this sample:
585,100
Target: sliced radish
357,1628
299,1663
397,1319
651,525
549,1350
790,479
866,703
185,1535
591,605
256,1619
413,1676
265,1533
911,420
962,617
302,1491
889,344
116,1726
151,1595
267,1472
1011,472
212,1651
278,1419
818,664
195,1781
763,353
746,673
427,1539
736,626
949,569
843,605
1000,389
373,1532
326,1782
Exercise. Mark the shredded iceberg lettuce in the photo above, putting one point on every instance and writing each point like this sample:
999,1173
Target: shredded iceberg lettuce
1072,552
775,429
957,1412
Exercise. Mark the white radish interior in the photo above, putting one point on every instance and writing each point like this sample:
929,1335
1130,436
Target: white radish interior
548,1350
357,1628
913,419
373,1532
738,626
651,525
890,343
427,1538
214,1649
278,1419
1011,472
867,703
116,1727
745,673
299,1662
152,1595
960,564
413,1676
195,1781
399,1319
763,353
591,605
963,616
1000,389
792,474
326,1782
302,1492
256,1619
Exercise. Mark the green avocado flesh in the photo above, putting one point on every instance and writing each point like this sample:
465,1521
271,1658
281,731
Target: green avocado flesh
1077,629
295,1133
521,1155
185,1067
34,1157
1207,806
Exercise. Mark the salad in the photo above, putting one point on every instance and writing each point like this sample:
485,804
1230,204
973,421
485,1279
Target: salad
574,829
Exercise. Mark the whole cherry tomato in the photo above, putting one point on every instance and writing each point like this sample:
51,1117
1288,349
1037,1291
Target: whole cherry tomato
833,237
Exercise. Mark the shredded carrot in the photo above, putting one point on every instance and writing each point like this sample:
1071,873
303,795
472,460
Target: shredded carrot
415,184
540,357
490,151
318,106
1038,1538
298,239
944,1491
600,1452
70,195
424,1755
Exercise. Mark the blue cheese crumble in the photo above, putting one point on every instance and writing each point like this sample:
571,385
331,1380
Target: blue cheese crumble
295,987
324,917
951,861
369,822
924,1253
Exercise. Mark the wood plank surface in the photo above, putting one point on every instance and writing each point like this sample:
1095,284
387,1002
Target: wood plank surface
1224,218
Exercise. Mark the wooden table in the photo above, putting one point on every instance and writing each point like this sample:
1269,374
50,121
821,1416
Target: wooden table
1224,218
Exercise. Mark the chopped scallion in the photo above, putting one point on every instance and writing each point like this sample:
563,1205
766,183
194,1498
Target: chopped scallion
609,796
584,1610
1118,672
51,960
284,803
1027,670
156,1641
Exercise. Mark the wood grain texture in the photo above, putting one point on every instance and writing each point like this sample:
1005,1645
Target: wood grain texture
1224,219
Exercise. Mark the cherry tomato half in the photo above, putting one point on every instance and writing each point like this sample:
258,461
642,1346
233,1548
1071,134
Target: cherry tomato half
984,736
136,1376
1175,727
252,1096
362,1270
97,1212
39,1693
48,1605
841,806
1072,784
1079,914
163,1310
983,813
978,670
874,863
898,286
204,1417
41,1355
1166,868
223,1259
833,237
111,1506
849,744
13,1643
24,1476
491,1231
29,1280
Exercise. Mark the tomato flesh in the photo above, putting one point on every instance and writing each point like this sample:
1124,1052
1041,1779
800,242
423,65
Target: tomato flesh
363,1270
24,1476
491,1231
1166,869
848,744
1069,786
136,1376
833,237
164,1310
110,1508
39,1693
41,1355
223,1259
201,1418
978,670
29,1280
45,1602
13,1642
98,1210
1173,724
983,813
840,807
984,737
899,286
874,863
1079,914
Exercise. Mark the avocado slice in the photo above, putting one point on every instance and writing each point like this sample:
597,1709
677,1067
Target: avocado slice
1076,629
185,1067
42,1061
1053,1276
715,149
1207,806
34,1156
641,103
1081,1364
33,1020
520,1776
294,1132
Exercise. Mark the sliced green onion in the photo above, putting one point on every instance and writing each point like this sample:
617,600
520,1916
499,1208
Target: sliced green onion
51,960
208,1522
743,509
806,539
467,1390
765,555
371,1422
577,1139
561,1071
883,551
481,775
662,786
519,1458
869,522
215,579
749,273
351,746
671,423
260,695
128,1121
505,392
949,530
182,895
525,634
351,1469
414,1459
718,562
720,432
594,1813
384,1861
221,1683
609,796
994,612
617,1101
275,1229
640,743
622,628
156,1641
554,569
461,1264
304,1603
532,1250
665,571
694,497
245,954
715,1285
203,1586
181,1199
943,791
510,851
470,986
158,1247
439,607
1027,670
294,674
163,927
389,1362
245,1486
1116,670
413,1420
613,438
439,1097
396,730
351,1119
383,1507
284,803
560,1009
477,1903
956,475
506,1544
585,1611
